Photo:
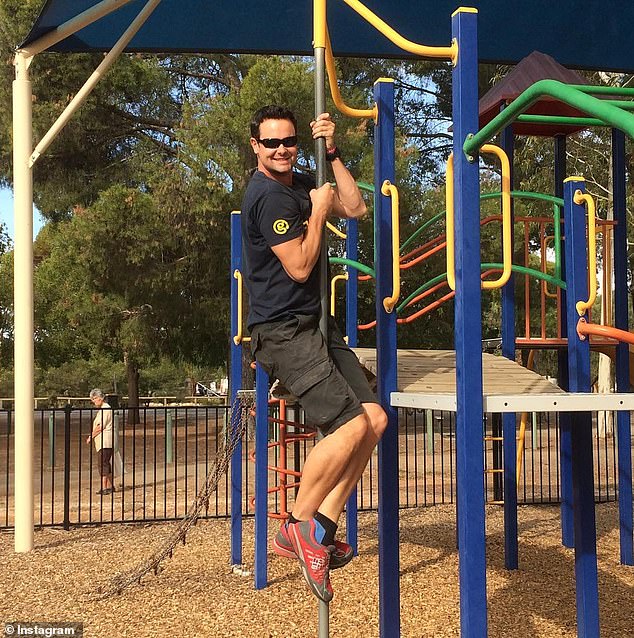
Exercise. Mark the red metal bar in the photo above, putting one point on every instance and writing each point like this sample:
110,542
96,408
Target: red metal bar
527,300
542,296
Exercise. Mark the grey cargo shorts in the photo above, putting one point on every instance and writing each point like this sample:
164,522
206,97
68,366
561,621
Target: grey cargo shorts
328,381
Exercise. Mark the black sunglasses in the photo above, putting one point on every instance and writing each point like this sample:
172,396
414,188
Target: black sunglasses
274,142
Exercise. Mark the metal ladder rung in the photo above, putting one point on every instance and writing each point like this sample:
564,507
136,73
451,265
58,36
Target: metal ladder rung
493,438
493,470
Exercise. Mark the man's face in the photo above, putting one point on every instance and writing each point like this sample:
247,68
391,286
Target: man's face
276,161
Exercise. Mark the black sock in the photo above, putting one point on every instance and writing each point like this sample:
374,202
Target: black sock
292,519
330,527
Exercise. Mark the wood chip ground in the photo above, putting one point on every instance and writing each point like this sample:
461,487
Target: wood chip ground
197,595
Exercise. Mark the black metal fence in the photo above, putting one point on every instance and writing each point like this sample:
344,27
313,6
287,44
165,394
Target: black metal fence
164,458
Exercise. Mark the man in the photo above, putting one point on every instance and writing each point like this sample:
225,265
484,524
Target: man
102,435
283,217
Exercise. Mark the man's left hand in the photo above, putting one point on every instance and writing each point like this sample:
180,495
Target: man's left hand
323,126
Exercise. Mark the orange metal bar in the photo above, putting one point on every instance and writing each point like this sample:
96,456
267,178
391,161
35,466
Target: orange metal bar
284,441
282,461
432,306
584,328
422,295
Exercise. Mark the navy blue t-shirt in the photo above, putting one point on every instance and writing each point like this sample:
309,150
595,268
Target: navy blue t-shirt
273,214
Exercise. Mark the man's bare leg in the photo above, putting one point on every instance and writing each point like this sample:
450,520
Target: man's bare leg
326,464
335,501
329,478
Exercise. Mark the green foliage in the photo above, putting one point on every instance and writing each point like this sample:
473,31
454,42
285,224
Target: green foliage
139,186
76,378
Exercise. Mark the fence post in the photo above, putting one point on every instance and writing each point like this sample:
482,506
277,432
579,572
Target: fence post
51,438
429,429
168,437
67,412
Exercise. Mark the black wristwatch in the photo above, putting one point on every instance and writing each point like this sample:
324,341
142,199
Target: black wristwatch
332,154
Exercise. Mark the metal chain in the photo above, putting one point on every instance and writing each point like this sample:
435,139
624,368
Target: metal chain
240,412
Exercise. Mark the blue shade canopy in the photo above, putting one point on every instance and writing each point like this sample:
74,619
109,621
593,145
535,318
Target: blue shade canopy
577,33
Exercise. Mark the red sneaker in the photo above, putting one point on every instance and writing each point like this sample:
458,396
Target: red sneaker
314,558
339,557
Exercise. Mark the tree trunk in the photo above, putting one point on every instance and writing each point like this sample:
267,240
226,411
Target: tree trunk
132,371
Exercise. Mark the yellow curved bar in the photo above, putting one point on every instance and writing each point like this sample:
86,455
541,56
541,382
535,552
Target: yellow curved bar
580,198
238,339
335,230
449,224
522,436
507,249
333,286
334,88
388,189
444,53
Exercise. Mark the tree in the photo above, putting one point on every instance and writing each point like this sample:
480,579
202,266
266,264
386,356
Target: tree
131,112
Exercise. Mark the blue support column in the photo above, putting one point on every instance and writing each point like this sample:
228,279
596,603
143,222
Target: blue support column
468,335
579,379
352,288
565,421
236,384
389,588
509,420
261,474
623,425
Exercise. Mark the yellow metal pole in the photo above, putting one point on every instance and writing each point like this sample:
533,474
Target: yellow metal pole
336,94
333,289
507,249
23,304
444,53
449,225
389,302
239,338
580,198
522,435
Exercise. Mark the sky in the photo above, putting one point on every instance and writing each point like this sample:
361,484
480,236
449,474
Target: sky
6,214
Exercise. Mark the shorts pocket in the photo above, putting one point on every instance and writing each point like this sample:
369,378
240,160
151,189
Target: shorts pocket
303,382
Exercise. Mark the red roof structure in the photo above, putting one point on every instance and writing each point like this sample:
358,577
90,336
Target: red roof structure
536,66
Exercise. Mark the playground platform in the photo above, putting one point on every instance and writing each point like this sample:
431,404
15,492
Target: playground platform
427,380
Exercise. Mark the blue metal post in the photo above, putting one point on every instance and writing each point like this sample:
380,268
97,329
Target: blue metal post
468,335
579,380
509,420
236,384
261,474
389,590
623,425
565,420
352,289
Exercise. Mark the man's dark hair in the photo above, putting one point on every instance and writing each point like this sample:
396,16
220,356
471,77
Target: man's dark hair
270,112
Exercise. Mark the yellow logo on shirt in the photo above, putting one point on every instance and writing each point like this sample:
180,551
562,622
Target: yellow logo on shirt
280,227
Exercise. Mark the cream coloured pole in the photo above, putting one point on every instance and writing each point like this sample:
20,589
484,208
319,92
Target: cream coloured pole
82,94
23,304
